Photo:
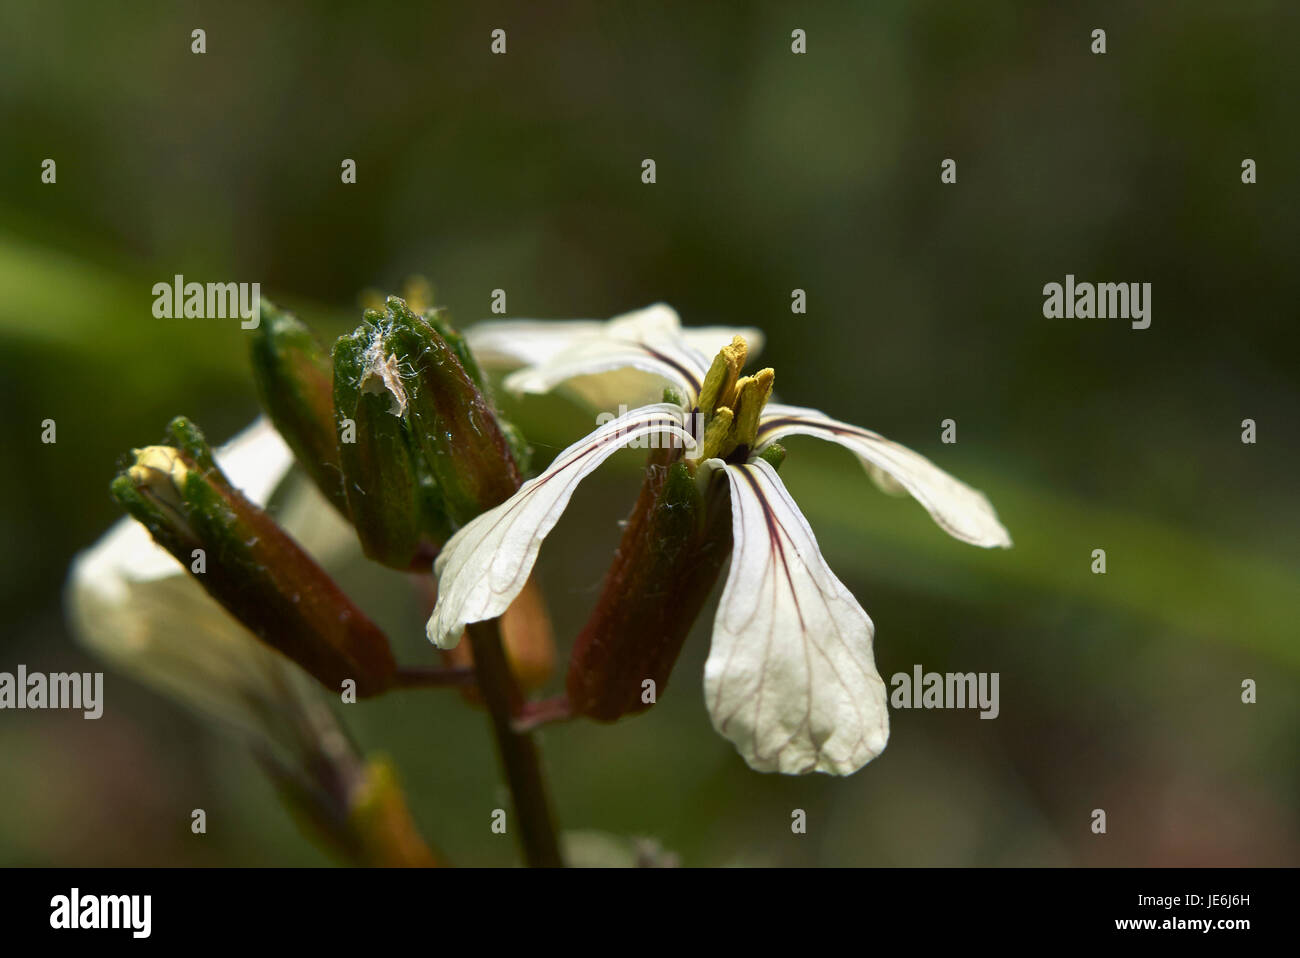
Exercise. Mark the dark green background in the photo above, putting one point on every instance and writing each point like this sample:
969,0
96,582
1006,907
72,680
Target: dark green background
775,171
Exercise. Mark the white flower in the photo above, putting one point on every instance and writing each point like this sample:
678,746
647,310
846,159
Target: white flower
131,602
790,678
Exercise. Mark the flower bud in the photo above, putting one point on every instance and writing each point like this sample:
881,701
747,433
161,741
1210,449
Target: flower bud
453,423
392,496
673,547
245,561
421,447
295,382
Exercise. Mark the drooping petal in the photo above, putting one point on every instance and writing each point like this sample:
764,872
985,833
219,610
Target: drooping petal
486,563
961,511
790,678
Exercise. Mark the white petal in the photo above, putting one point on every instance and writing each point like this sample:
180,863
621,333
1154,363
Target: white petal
486,563
256,460
961,511
508,344
790,678
629,362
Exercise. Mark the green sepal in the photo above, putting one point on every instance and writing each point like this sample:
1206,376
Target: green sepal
773,454
189,439
439,319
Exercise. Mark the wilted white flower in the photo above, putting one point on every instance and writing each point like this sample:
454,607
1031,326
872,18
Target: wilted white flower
790,678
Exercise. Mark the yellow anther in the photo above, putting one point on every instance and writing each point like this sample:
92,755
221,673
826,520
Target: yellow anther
716,433
720,382
753,392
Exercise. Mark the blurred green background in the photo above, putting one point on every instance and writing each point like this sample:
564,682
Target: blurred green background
775,171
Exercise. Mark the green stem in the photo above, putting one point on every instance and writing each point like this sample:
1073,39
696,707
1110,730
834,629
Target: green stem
518,752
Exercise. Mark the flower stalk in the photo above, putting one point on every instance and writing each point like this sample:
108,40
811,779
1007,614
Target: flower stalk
516,748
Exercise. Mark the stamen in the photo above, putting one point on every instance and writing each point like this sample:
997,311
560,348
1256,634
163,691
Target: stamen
720,382
715,434
754,392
